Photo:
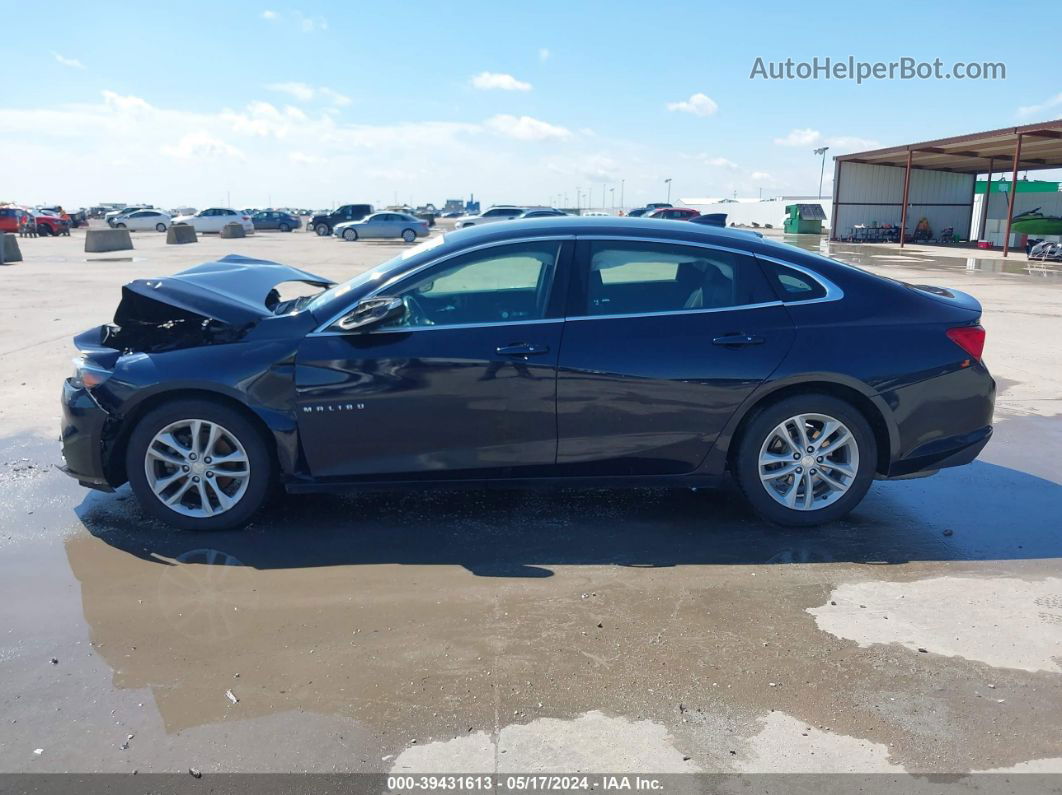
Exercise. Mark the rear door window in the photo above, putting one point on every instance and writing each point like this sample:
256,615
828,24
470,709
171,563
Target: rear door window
623,278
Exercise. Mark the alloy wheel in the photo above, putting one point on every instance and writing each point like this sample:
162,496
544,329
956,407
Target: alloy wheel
197,468
808,461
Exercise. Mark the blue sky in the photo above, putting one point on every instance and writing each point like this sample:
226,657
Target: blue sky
317,103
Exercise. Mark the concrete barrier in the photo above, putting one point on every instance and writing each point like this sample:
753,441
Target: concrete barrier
9,250
233,229
98,240
181,233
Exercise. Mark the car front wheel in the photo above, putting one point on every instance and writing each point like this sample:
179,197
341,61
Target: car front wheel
806,460
160,227
284,228
198,465
350,234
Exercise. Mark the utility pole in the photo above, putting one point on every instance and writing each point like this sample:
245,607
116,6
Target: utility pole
621,193
578,198
612,198
668,183
822,169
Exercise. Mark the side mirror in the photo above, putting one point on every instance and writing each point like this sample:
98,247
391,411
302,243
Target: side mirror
371,312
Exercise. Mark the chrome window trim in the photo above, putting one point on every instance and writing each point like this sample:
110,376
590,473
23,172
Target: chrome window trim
833,292
400,330
321,329
736,308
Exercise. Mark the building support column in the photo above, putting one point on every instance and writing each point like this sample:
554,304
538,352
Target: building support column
1013,191
906,192
983,233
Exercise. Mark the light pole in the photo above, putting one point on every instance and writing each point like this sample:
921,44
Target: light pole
822,170
578,198
668,183
612,198
621,193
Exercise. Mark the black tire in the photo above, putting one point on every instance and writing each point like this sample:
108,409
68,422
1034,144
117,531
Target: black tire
160,227
43,230
323,230
350,235
260,462
119,226
746,468
284,228
409,235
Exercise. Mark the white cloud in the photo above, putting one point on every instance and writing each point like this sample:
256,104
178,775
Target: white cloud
303,159
761,176
851,143
1033,110
310,24
526,128
201,145
719,162
800,137
698,104
306,93
73,63
544,54
307,24
486,81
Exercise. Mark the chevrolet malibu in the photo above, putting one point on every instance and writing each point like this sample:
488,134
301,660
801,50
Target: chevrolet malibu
599,351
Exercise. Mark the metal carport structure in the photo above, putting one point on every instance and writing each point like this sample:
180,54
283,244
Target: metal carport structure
946,170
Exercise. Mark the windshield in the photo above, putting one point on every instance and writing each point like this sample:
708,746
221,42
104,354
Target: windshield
364,282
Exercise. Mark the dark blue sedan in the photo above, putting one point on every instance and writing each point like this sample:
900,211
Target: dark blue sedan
276,219
599,351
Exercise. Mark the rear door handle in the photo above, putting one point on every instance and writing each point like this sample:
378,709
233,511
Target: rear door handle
523,349
738,340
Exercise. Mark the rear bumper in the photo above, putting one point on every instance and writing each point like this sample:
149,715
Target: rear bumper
83,434
941,422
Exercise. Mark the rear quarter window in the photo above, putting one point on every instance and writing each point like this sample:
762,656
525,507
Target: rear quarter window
792,285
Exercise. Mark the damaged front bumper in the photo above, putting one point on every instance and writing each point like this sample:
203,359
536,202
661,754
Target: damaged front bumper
83,435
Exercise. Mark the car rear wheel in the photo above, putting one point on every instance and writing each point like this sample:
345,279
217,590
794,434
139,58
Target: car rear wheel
198,465
322,230
806,460
350,234
43,230
409,235
160,227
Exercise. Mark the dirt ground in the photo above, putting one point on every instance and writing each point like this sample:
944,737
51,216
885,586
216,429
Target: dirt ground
643,631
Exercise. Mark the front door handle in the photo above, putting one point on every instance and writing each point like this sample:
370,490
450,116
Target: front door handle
523,349
737,340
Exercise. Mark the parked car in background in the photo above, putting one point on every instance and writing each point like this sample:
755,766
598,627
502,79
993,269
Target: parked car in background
711,219
501,213
143,221
674,213
111,215
679,364
384,225
656,205
594,213
276,219
49,224
213,218
324,223
638,212
9,217
542,212
453,214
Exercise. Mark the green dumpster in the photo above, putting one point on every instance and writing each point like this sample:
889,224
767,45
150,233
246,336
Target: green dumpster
804,219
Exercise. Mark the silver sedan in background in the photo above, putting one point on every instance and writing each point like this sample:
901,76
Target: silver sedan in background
383,225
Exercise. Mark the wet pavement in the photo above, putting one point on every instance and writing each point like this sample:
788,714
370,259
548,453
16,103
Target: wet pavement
649,630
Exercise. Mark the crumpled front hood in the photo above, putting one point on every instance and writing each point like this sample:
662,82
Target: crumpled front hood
234,290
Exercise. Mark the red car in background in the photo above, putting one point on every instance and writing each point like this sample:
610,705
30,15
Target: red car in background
674,213
9,218
48,224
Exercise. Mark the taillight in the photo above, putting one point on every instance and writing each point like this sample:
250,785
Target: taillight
970,338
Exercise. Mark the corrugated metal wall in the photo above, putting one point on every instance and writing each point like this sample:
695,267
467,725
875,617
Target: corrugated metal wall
870,194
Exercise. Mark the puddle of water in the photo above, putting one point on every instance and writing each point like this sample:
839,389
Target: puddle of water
1000,621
